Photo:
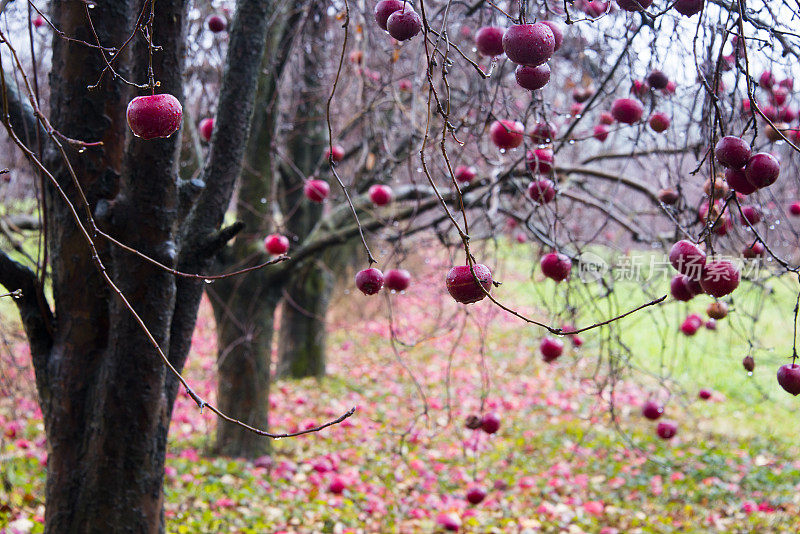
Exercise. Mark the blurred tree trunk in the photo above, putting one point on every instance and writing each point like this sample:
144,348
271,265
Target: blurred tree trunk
244,306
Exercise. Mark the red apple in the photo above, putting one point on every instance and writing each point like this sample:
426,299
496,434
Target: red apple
717,310
540,161
489,41
38,22
558,35
541,191
556,266
634,5
276,244
543,133
690,327
778,96
732,152
600,133
404,24
720,278
671,87
476,494
380,195
737,179
748,363
462,286
750,215
532,78
316,190
450,521
397,279
607,118
154,116
206,128
794,208
384,8
369,281
529,44
687,8
337,486
627,110
762,170
687,258
551,348
704,394
668,196
657,79
766,80
506,134
490,423
335,153
789,378
465,174
667,429
681,288
659,122
640,88
652,410
216,23
756,250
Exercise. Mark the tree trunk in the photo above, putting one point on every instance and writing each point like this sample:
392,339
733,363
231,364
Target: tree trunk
244,337
301,342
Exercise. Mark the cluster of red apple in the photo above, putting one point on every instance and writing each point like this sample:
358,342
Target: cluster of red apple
370,281
697,275
398,18
779,111
530,46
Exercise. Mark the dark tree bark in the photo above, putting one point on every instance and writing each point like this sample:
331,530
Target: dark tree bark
105,393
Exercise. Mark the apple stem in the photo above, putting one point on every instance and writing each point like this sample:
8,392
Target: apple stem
794,335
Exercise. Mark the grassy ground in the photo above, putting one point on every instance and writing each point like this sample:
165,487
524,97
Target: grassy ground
560,462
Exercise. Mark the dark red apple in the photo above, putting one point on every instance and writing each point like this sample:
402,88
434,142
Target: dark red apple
640,88
506,134
154,116
634,5
681,289
704,394
384,8
607,118
652,410
750,215
737,179
766,80
404,24
690,327
465,174
711,324
657,79
670,88
369,281
543,133
748,363
558,35
542,191
529,44
475,495
595,8
380,195
787,114
397,279
556,266
489,41
316,190
600,133
490,423
540,161
667,429
756,250
551,348
449,521
720,278
762,170
462,286
789,378
659,122
668,196
627,110
532,78
473,422
276,244
732,152
778,96
206,128
687,8
337,486
794,208
335,153
216,23
687,258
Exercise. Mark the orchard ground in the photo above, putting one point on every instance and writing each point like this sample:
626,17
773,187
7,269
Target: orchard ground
560,462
